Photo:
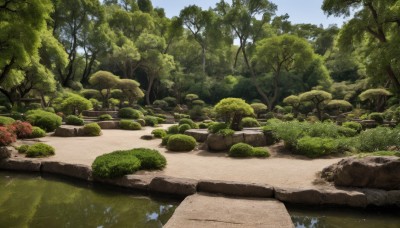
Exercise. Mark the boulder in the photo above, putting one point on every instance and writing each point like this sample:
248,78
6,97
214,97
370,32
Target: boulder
236,188
5,152
20,164
137,182
381,198
255,138
175,186
368,172
69,131
111,124
199,134
72,170
216,142
322,197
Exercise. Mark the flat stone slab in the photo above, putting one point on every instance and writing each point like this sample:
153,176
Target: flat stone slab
199,134
212,211
69,131
236,188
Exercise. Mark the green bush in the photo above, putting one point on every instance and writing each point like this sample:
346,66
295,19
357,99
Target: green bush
105,117
203,126
149,159
116,164
190,122
353,125
45,120
260,152
151,121
129,125
378,117
316,147
74,120
226,132
75,104
159,133
378,139
165,139
288,117
249,122
142,122
23,149
216,127
174,129
160,120
37,132
241,150
380,153
183,128
39,150
129,113
180,143
92,129
6,120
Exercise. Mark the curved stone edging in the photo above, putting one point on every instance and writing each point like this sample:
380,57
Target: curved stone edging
359,198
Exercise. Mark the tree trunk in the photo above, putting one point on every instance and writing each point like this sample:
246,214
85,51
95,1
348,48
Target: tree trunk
204,59
235,124
148,91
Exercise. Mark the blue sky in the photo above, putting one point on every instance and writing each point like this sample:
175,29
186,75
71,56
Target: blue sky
308,11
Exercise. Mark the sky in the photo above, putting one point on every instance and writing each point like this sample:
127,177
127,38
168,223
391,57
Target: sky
308,11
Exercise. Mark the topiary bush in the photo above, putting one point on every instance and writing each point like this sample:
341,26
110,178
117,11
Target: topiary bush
92,129
216,127
23,149
203,126
378,117
260,152
45,120
241,150
149,159
37,132
232,110
116,164
6,136
6,120
190,122
226,132
75,104
174,129
180,143
74,120
165,139
151,121
105,117
21,129
130,125
353,125
159,133
183,128
39,150
129,113
249,122
313,147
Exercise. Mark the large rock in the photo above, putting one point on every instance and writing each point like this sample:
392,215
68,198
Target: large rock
255,138
381,198
69,131
322,197
137,182
216,142
5,152
368,172
199,134
72,170
20,164
175,186
236,188
111,124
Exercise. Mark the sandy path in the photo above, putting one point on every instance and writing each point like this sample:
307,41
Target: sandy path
279,171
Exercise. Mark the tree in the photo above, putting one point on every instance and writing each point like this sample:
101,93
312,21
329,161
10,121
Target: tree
293,101
104,81
130,90
259,108
232,110
339,106
318,98
376,97
75,105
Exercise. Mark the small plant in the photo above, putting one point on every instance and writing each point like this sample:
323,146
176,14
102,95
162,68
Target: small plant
183,128
241,150
180,143
316,147
353,125
378,117
129,125
6,136
6,120
261,152
174,129
74,120
226,132
216,127
129,113
21,129
249,122
92,129
39,150
159,133
105,117
151,121
37,132
23,149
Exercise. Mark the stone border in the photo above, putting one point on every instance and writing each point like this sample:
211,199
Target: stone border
358,198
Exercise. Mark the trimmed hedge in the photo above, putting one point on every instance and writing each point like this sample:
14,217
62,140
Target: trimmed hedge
316,147
260,152
6,120
37,132
174,129
129,125
181,143
159,133
249,122
129,113
241,150
92,129
40,150
45,120
183,128
74,120
216,127
151,121
190,122
105,117
150,159
165,140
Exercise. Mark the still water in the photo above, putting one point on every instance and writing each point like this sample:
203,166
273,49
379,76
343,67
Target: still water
29,200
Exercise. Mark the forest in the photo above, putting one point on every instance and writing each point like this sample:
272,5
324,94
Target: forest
122,53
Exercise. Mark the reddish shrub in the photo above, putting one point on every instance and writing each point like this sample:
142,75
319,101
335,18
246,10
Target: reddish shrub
21,129
6,136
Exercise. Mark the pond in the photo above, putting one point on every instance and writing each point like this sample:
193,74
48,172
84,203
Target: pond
30,200
316,217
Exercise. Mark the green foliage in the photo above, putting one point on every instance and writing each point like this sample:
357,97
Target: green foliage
216,127
260,152
241,150
149,159
249,122
380,154
165,140
37,132
23,149
129,125
172,102
45,120
159,133
75,105
151,121
174,129
259,108
183,128
372,94
74,120
105,117
340,105
353,125
39,150
378,117
161,104
142,122
190,122
288,117
181,143
129,113
377,139
6,120
92,129
316,147
226,132
116,164
232,110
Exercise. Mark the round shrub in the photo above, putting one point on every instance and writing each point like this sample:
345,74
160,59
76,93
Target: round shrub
92,129
313,147
216,127
23,149
149,159
160,120
165,139
116,164
261,152
249,122
75,104
37,132
353,125
21,129
174,129
46,120
378,117
180,143
129,113
129,125
6,136
74,120
142,122
151,121
105,117
159,133
39,150
6,120
190,122
241,150
203,126
183,128
226,132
